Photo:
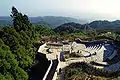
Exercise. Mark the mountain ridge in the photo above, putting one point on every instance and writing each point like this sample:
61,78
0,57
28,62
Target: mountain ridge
57,21
98,25
54,21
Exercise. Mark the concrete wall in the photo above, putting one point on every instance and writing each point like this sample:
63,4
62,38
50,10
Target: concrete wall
75,47
41,48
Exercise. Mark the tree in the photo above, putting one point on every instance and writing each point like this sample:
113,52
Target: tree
20,21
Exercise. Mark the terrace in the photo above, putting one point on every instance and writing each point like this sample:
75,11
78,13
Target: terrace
101,53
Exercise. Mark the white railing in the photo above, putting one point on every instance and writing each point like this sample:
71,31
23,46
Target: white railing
45,76
55,76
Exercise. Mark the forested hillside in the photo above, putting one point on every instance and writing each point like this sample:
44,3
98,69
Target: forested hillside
105,24
17,47
69,27
98,25
53,21
18,43
5,21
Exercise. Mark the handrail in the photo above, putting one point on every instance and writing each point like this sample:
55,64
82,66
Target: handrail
45,76
52,71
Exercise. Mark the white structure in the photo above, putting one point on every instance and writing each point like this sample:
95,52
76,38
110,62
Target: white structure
66,47
96,52
51,50
42,48
77,47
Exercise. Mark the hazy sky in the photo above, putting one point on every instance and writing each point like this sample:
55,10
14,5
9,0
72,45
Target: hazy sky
82,9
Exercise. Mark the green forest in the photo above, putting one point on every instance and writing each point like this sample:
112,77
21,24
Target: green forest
18,46
19,43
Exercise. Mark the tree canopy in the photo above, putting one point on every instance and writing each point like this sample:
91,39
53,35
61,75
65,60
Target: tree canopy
17,50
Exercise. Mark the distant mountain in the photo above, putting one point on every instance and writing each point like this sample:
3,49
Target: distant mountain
100,25
55,21
4,20
69,27
105,24
41,23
